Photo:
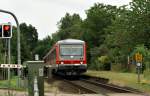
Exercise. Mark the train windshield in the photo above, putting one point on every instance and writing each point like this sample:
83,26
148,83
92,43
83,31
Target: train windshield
71,50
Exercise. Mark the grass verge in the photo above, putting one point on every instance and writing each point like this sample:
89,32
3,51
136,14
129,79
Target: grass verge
123,79
4,84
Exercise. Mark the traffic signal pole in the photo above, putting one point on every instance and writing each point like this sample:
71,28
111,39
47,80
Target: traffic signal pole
9,61
18,41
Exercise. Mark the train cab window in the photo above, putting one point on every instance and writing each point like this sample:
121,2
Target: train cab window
75,50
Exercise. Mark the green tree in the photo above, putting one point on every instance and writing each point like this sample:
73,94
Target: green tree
29,40
99,17
69,27
30,35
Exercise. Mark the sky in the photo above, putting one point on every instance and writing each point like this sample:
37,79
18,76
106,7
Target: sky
45,14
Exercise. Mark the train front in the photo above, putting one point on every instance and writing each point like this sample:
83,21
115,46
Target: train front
72,57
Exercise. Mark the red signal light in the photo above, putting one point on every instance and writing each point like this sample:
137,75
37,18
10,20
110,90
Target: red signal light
6,27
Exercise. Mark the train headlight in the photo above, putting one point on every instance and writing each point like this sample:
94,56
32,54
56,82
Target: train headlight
62,62
71,56
81,62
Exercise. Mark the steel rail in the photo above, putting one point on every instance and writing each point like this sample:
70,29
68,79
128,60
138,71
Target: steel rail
113,88
80,87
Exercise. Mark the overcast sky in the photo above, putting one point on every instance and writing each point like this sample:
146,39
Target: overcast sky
44,14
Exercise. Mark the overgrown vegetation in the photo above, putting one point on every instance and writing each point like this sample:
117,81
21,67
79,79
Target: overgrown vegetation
12,85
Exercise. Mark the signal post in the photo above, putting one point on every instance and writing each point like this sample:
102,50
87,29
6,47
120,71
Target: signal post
6,33
138,58
18,41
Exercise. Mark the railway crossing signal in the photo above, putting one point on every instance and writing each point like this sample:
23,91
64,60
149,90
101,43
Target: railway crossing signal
138,57
6,30
18,40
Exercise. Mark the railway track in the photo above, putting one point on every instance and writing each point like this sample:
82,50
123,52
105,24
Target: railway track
88,88
80,88
96,87
111,87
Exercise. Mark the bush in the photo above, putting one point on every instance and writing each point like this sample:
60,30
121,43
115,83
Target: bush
104,63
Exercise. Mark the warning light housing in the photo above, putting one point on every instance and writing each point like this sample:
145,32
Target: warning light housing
6,30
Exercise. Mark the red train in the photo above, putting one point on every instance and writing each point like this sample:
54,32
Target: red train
67,57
